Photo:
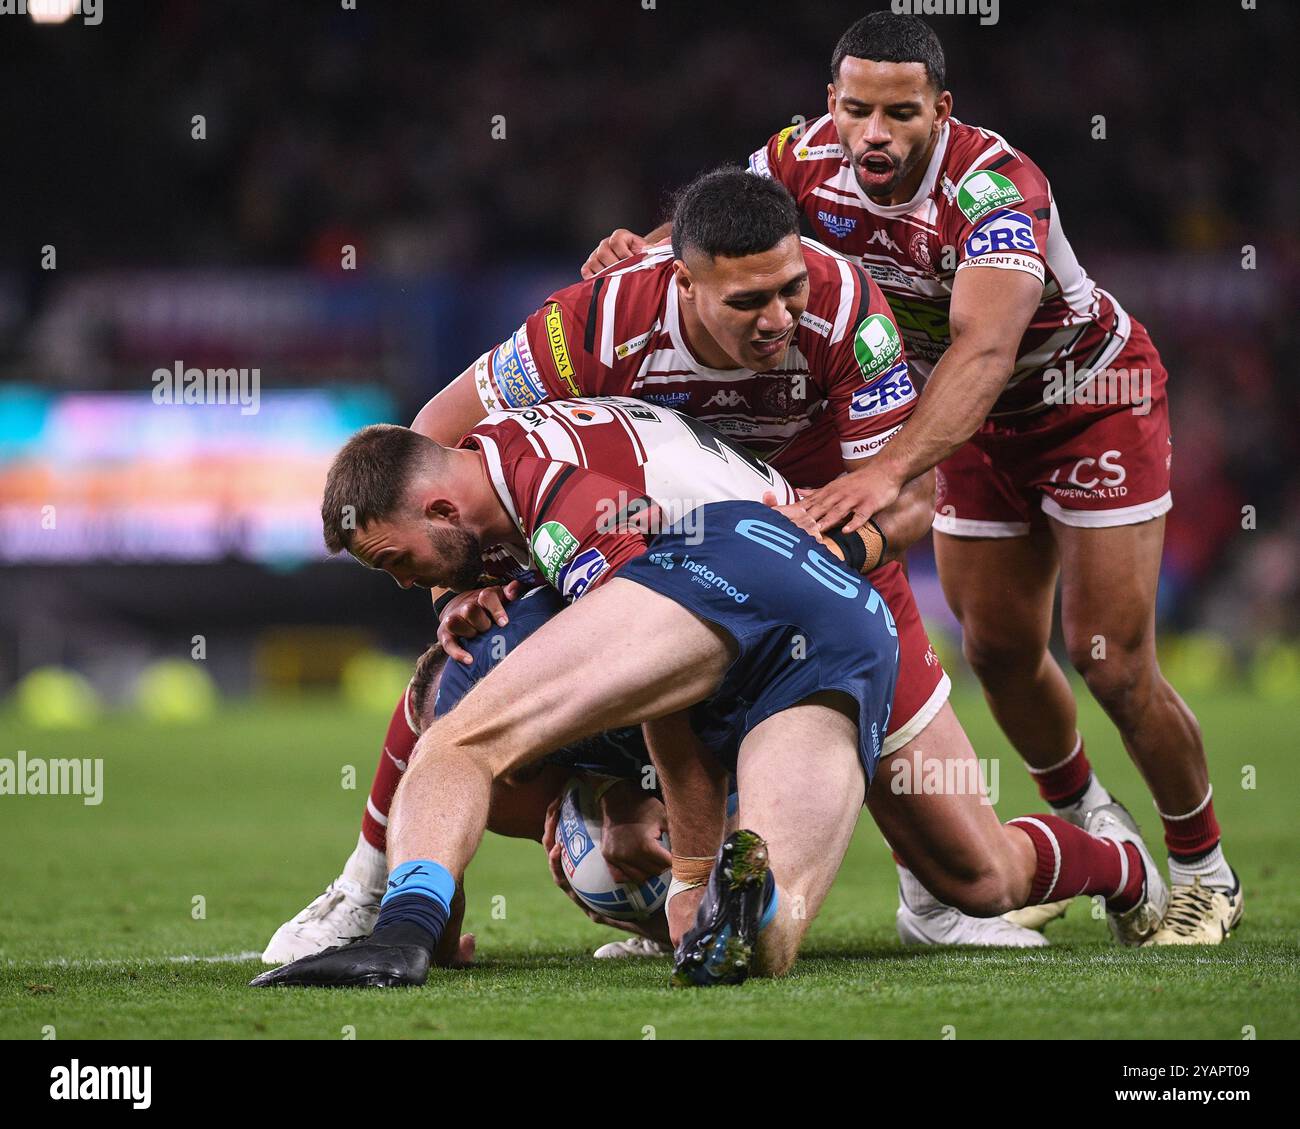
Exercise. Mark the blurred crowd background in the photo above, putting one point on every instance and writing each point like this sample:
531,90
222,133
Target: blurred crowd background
472,155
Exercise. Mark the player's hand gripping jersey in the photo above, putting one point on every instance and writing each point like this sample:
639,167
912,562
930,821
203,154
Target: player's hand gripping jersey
840,392
982,203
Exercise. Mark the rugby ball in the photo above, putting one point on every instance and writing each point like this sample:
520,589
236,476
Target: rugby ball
578,832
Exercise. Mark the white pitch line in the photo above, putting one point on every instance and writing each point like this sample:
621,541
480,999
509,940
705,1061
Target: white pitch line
110,962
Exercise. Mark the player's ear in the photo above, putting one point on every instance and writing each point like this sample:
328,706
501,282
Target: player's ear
830,97
942,108
436,507
683,280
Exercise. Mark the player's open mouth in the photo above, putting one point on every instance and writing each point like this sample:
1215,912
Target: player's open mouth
876,165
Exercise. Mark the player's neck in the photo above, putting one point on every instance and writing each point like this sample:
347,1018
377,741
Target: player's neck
699,341
490,519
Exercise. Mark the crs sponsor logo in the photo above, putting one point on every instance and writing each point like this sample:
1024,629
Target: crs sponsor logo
877,346
560,347
1103,473
838,226
982,192
726,398
553,546
515,374
584,414
1005,231
581,573
892,390
871,445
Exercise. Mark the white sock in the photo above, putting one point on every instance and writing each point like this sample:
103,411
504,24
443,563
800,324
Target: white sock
1213,870
367,867
1094,796
915,896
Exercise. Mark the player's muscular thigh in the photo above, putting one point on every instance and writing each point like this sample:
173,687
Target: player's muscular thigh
620,655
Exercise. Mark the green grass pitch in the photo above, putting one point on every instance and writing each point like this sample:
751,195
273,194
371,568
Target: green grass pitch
100,937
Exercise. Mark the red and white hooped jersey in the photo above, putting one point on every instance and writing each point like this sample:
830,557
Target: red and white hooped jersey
841,390
588,482
981,203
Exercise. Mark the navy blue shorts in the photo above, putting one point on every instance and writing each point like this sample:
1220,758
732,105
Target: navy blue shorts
617,752
802,623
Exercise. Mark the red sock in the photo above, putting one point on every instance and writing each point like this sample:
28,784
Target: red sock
1070,862
1193,834
1064,781
396,754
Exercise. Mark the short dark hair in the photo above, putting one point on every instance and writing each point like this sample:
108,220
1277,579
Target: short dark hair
421,694
887,37
734,213
368,479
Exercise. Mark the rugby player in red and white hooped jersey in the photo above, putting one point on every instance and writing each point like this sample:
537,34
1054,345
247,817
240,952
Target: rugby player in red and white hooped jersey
789,350
962,233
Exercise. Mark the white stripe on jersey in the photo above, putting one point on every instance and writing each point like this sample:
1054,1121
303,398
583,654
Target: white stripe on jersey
607,322
493,459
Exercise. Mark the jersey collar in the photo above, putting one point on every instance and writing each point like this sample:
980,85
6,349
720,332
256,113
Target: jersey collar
922,193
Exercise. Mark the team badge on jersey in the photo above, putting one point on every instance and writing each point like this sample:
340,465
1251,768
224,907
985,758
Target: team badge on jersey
515,373
876,345
982,191
553,546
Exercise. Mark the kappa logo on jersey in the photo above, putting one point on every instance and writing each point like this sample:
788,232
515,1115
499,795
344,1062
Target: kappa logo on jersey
726,398
838,226
553,546
580,573
983,191
881,236
891,391
1002,231
876,345
515,375
560,348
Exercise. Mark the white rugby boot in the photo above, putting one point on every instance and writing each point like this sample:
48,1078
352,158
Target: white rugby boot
634,946
924,920
345,911
1200,915
1137,925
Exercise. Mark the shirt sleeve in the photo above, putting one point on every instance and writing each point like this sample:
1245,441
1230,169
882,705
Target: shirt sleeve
1002,218
542,360
577,534
869,386
776,159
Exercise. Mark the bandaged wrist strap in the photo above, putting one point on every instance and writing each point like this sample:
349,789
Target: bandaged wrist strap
440,604
863,549
677,886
